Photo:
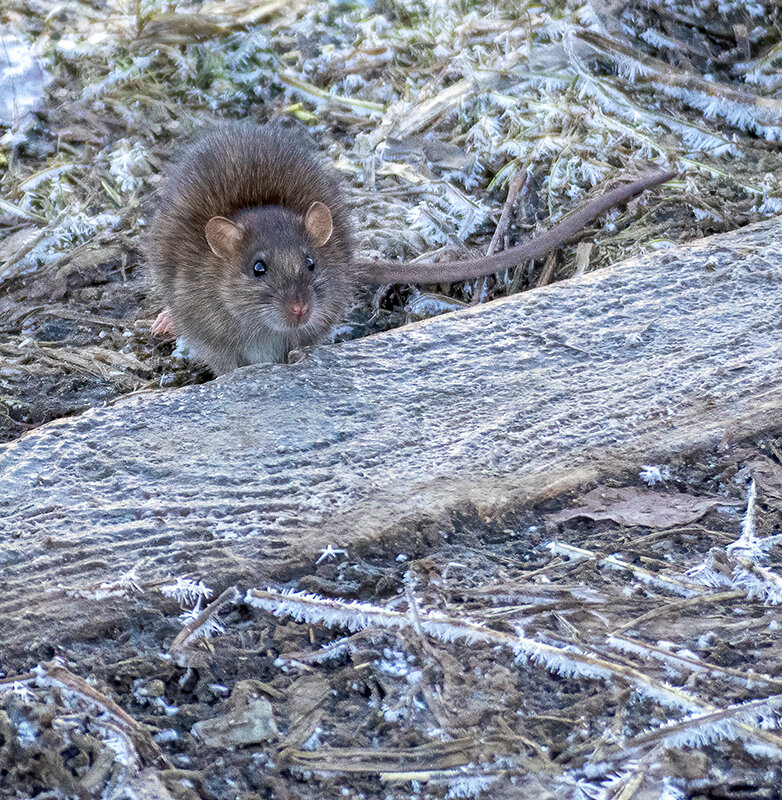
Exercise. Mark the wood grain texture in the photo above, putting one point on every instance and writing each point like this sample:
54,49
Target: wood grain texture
487,409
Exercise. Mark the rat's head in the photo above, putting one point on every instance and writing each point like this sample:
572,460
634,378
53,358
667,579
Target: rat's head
278,270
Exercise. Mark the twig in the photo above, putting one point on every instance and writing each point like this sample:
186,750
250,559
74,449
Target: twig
28,676
678,585
317,95
50,674
515,185
677,605
192,630
583,254
548,270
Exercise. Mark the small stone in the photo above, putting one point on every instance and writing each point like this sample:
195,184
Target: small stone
250,720
155,688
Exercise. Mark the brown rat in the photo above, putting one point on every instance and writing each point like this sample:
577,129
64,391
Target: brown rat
252,247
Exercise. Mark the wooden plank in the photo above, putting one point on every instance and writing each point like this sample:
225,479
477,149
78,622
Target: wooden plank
362,445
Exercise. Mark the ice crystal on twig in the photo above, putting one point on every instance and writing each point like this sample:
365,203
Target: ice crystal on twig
201,623
676,584
674,661
758,582
122,747
747,539
568,661
709,573
748,575
209,626
126,585
187,592
744,722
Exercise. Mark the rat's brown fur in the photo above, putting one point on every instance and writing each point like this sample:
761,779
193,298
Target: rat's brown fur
263,180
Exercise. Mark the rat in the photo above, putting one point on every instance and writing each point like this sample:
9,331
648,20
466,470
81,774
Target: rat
251,246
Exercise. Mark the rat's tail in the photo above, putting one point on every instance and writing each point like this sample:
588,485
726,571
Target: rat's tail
537,247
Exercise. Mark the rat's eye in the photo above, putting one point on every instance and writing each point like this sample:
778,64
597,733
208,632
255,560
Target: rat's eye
310,264
259,268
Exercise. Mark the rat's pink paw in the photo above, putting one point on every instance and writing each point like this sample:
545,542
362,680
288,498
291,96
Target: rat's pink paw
163,325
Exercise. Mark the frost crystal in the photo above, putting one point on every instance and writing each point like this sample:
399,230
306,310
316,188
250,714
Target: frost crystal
758,582
330,552
470,786
126,164
23,692
435,217
652,474
125,754
187,592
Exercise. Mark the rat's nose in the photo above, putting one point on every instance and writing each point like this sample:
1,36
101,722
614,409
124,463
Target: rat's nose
299,311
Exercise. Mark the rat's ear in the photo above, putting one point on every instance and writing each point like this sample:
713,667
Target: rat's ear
224,237
318,223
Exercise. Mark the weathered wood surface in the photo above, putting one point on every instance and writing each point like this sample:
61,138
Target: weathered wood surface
251,475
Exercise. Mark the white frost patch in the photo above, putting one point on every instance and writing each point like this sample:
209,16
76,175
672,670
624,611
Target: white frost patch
26,733
470,786
651,474
127,164
314,742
